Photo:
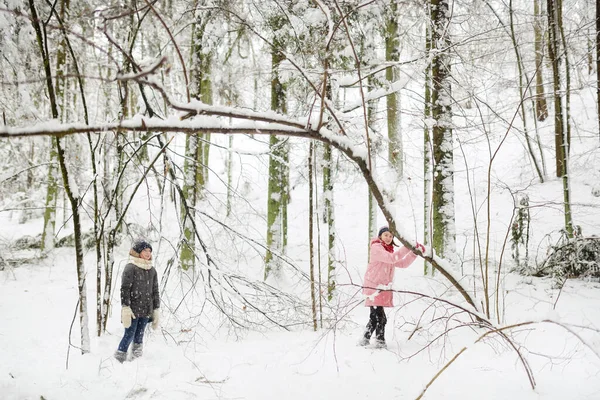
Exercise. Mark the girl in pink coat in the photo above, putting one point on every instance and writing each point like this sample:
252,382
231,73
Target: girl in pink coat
378,282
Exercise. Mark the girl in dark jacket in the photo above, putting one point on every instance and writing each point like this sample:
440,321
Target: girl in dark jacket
140,299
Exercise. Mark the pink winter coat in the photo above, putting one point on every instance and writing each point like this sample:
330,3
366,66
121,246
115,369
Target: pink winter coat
380,272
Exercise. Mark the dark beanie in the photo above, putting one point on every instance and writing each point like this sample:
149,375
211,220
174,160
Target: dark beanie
383,229
139,245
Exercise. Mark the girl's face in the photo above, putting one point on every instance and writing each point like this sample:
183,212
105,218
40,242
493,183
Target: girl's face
387,237
146,254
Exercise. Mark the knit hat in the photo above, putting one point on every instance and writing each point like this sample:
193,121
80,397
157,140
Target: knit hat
383,229
139,245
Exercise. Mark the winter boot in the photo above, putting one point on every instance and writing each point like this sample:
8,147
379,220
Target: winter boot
380,344
136,350
121,356
364,341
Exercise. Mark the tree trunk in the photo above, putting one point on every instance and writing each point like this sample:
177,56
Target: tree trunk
47,242
66,45
329,218
276,193
392,55
554,54
81,275
598,62
567,107
191,173
427,147
229,175
522,91
108,275
560,140
441,113
375,147
197,146
204,92
83,316
541,106
311,236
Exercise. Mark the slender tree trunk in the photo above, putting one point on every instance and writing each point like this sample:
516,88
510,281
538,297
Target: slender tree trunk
311,236
197,144
47,242
83,316
204,91
191,173
111,242
566,141
285,193
554,54
114,173
329,214
427,147
66,45
372,218
598,62
392,55
541,107
560,136
522,91
98,241
374,147
229,175
276,193
372,204
590,55
565,48
441,113
81,275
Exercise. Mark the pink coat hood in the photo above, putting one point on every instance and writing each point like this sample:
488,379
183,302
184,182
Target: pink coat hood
380,272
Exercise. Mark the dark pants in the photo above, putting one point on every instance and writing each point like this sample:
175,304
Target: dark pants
377,321
134,333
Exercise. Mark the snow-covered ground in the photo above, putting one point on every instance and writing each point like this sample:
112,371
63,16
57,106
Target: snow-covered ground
38,305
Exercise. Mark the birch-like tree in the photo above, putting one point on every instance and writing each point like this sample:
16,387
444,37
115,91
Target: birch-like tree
197,146
393,100
441,115
69,183
278,169
541,105
561,134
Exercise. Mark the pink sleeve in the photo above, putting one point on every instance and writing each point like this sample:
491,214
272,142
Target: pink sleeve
405,257
379,254
401,258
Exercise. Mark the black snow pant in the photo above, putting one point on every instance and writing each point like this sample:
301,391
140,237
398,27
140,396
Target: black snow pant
377,321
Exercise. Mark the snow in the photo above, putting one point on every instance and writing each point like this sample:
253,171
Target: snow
37,310
198,356
197,359
197,353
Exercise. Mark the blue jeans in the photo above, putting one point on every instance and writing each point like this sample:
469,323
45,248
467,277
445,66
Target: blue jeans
134,333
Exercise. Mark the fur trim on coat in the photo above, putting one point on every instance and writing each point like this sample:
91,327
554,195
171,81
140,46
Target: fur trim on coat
139,262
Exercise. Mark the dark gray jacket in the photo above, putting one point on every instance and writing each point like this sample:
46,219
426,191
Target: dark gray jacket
139,290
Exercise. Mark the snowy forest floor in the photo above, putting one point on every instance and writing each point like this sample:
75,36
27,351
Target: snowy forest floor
39,301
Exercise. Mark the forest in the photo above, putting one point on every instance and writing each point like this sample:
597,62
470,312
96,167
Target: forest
259,146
